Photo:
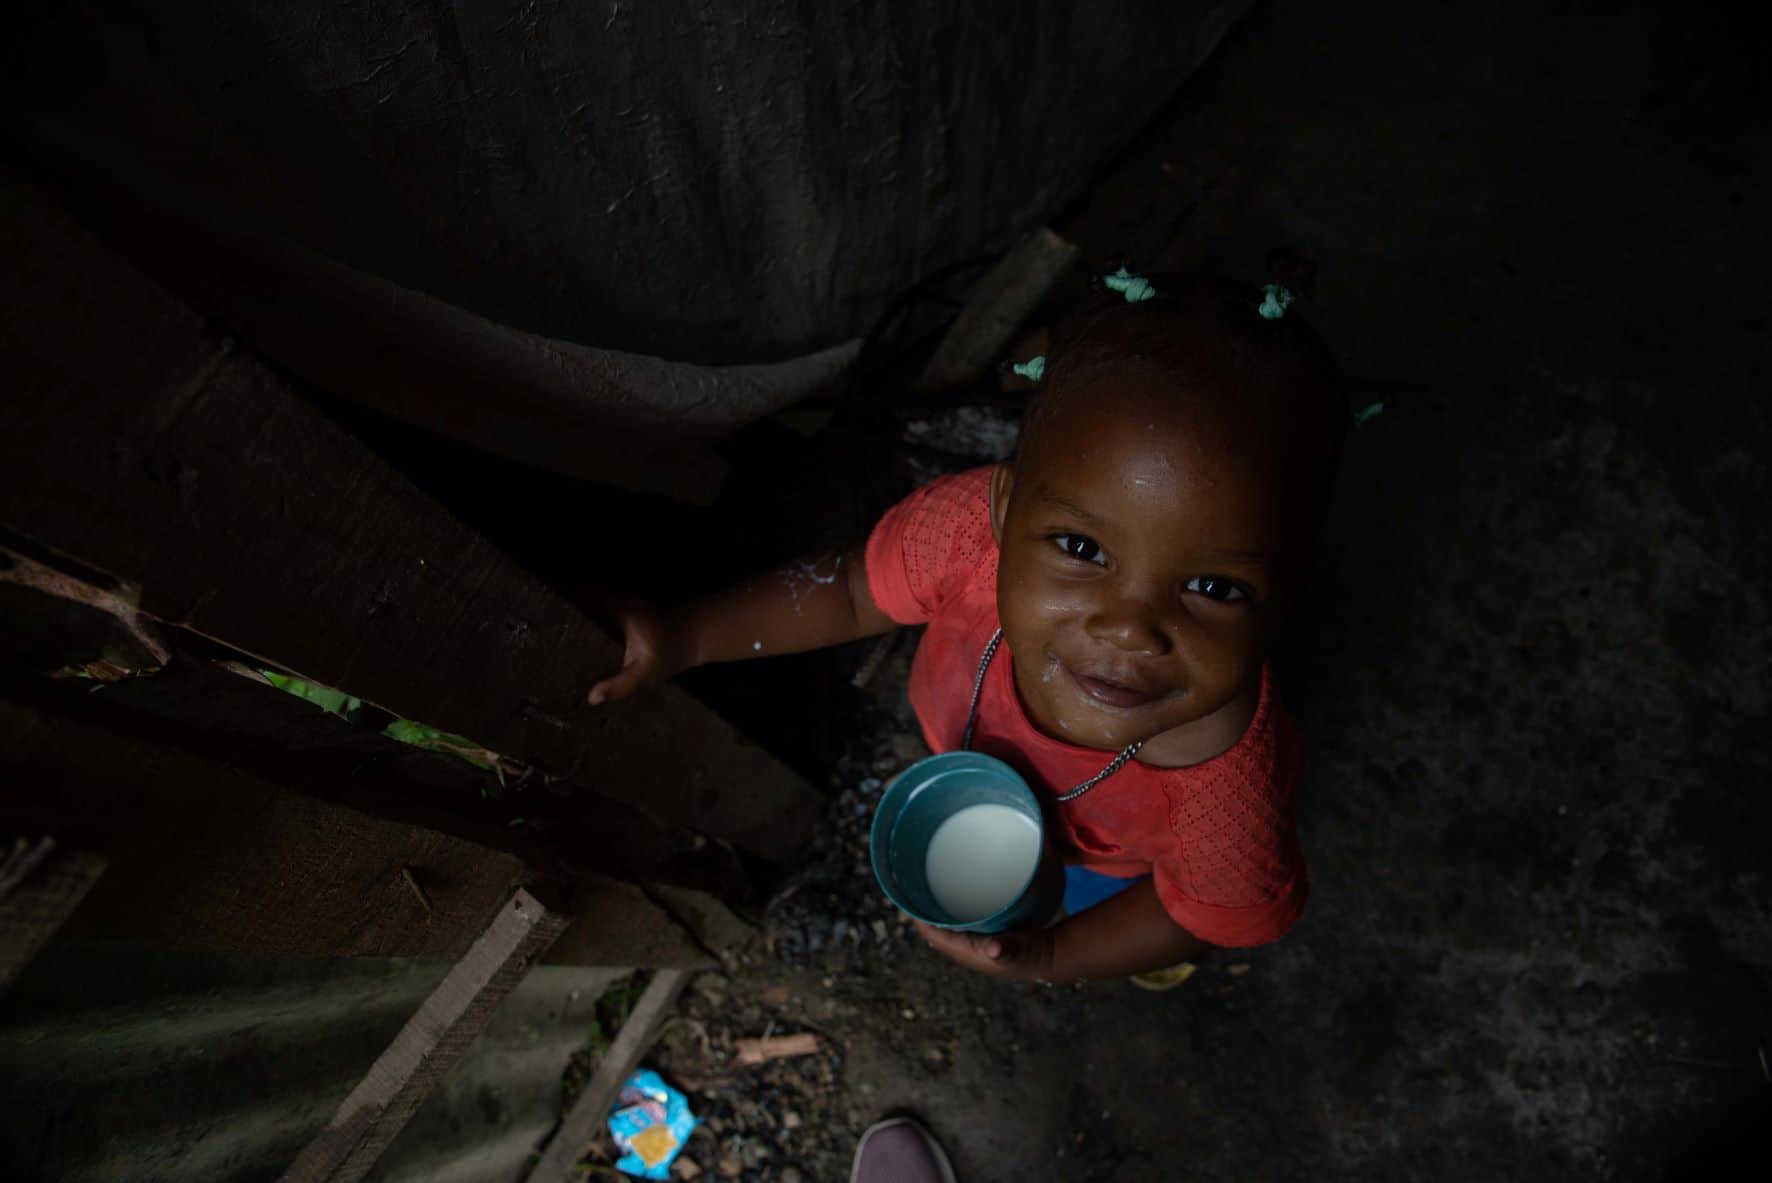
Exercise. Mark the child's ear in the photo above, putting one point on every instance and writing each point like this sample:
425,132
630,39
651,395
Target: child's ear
1002,484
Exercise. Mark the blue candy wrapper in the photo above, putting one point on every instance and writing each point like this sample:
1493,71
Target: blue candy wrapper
651,1123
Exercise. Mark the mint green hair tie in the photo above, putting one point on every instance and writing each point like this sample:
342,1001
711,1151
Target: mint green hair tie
1134,287
1033,371
1360,417
1275,299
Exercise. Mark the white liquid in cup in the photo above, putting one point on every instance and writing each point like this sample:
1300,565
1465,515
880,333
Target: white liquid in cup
980,859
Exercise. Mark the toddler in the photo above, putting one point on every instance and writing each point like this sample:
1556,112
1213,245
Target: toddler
1099,611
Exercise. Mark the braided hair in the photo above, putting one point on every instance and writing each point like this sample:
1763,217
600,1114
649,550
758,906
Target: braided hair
1206,336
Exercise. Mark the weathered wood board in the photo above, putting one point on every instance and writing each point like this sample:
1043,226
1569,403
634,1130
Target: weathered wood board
135,439
204,857
429,1045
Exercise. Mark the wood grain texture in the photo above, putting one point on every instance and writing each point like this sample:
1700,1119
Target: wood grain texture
137,440
36,905
429,1045
205,857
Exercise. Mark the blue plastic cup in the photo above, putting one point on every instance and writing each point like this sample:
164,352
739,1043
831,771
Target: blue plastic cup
916,804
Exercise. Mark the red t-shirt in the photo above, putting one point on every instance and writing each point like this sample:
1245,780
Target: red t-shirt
1218,837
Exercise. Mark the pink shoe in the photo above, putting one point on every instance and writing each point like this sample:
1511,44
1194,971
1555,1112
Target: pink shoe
899,1150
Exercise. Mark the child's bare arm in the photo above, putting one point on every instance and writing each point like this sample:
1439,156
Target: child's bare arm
1130,933
808,604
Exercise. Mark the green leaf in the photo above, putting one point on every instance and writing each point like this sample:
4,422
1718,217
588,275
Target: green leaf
421,735
335,702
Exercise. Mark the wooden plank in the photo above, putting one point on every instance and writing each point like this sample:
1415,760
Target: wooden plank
656,925
429,1045
187,468
67,611
204,857
39,887
54,620
1003,299
587,1115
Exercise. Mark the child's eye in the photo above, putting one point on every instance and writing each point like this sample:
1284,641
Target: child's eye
1080,546
1215,587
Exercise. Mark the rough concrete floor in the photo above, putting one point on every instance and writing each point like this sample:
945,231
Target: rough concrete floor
1538,812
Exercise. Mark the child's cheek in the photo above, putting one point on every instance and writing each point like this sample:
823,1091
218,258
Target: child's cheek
1221,659
1037,600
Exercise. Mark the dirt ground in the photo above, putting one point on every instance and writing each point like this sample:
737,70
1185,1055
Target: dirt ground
1534,682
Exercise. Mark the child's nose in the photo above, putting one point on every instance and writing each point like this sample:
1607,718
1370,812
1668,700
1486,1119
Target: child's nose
1131,624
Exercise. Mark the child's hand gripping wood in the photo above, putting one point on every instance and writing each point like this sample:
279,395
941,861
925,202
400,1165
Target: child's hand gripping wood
807,604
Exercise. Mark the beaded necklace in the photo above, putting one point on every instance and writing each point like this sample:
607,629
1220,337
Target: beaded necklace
984,663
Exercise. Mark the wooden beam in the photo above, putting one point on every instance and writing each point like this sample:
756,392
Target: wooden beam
48,601
579,1127
1002,300
178,464
39,887
429,1045
54,620
205,857
654,925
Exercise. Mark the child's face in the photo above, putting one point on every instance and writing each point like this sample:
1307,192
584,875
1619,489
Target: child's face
1141,543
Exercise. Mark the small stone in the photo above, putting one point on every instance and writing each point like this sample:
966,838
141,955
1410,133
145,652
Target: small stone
907,749
829,983
1237,970
790,1120
686,1167
789,1175
731,1166
910,1016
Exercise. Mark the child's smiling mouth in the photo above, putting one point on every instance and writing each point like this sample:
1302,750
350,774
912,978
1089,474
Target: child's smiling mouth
1109,690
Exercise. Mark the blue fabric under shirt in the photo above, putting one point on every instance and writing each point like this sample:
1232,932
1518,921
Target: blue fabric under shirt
1083,888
